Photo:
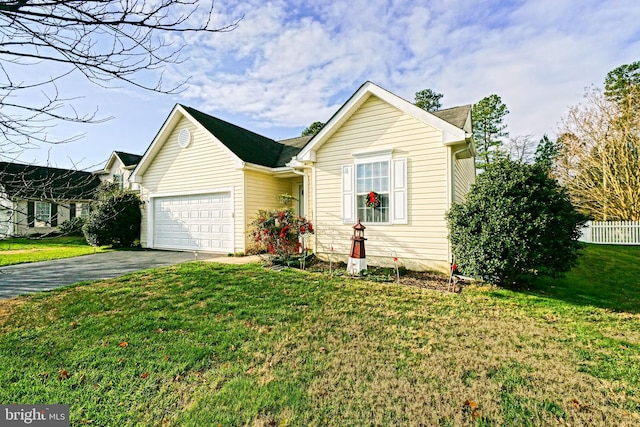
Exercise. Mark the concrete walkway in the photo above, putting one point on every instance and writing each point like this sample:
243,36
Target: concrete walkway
237,260
42,276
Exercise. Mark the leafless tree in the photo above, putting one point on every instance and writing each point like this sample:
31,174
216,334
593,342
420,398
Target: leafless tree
108,41
599,157
521,148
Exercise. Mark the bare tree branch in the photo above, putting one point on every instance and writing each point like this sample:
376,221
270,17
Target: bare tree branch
108,41
599,159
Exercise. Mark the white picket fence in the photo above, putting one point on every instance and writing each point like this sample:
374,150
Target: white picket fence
611,232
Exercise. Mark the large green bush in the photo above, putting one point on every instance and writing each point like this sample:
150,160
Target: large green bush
72,227
514,223
114,219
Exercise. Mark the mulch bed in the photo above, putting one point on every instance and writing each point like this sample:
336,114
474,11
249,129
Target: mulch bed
418,279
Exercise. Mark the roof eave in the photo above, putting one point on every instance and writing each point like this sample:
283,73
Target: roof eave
451,134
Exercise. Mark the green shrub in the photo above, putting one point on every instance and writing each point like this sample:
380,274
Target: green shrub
515,222
72,227
278,232
114,219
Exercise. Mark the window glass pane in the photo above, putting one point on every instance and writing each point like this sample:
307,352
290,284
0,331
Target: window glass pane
384,183
373,177
84,210
43,212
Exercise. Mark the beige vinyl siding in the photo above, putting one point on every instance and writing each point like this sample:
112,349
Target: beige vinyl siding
118,168
262,191
422,243
464,176
202,166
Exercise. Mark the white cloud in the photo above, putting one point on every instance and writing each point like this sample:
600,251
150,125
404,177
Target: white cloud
290,63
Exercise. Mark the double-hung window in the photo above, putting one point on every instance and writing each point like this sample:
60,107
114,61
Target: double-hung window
117,180
42,214
374,189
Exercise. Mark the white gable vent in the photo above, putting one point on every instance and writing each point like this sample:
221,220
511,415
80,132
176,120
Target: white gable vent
184,138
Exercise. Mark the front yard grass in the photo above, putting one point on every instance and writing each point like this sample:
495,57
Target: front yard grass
22,250
204,344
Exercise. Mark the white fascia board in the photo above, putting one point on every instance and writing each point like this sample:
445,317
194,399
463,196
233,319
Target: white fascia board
308,153
161,138
157,143
107,166
295,163
450,133
244,166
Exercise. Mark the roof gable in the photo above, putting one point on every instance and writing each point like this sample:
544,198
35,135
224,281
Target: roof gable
247,145
242,144
41,182
128,159
451,133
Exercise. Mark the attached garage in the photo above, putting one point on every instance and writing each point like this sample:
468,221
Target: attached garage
201,222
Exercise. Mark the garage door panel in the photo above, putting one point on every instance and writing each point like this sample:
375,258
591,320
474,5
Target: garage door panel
199,222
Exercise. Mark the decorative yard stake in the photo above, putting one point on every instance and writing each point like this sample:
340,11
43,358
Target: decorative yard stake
357,258
454,267
395,261
331,261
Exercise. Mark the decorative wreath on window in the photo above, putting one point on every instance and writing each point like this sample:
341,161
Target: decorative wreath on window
373,200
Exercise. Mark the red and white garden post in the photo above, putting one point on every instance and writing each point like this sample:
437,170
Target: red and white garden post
357,258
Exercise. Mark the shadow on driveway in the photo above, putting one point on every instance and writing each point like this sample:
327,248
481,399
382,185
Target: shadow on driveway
42,276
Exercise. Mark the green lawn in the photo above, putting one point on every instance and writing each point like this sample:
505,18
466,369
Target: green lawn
205,344
21,250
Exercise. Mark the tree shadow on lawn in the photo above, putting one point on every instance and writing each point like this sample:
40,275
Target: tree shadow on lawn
607,276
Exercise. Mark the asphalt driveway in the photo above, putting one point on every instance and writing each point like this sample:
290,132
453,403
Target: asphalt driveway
42,276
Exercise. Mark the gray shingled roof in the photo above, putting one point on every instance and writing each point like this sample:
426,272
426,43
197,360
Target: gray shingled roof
248,146
254,148
128,159
297,142
41,183
457,116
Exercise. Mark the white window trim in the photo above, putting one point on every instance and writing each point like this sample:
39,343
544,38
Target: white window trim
380,152
38,222
373,157
398,202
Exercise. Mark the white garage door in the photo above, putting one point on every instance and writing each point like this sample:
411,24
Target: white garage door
200,222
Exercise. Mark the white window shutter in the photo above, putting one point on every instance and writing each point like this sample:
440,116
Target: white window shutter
348,195
399,183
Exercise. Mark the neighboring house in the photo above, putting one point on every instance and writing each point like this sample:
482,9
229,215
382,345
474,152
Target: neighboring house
36,199
118,169
203,180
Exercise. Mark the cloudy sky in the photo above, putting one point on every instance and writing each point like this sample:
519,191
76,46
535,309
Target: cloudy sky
289,63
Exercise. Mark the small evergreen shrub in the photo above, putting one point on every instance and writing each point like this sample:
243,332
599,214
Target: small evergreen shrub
114,219
515,222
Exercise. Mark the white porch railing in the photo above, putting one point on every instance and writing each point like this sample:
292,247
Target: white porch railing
611,232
